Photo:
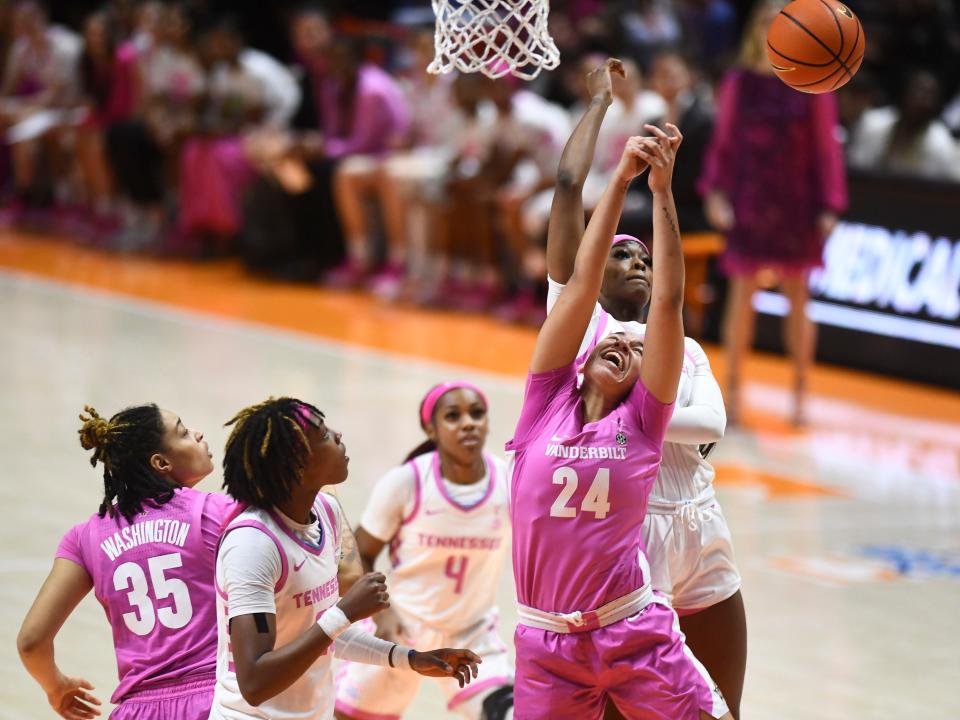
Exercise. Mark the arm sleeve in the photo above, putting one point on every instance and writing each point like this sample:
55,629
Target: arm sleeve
360,646
720,154
71,547
704,420
248,570
554,289
543,393
390,502
833,177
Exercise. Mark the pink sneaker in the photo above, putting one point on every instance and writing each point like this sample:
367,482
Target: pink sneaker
388,283
346,276
476,297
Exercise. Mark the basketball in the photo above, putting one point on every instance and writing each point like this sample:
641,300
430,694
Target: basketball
815,46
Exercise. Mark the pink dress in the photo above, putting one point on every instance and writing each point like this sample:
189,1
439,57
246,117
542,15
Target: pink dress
154,579
775,155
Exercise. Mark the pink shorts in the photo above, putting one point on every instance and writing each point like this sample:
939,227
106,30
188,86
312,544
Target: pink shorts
641,663
181,700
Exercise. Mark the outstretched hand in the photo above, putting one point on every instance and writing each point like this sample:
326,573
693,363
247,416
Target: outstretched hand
660,151
600,79
71,700
459,664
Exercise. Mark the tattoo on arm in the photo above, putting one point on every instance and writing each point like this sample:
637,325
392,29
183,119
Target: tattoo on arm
260,620
673,223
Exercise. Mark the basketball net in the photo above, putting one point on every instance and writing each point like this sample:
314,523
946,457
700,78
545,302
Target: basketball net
495,37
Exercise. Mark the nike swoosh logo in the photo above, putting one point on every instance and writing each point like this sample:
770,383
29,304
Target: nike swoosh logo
433,512
556,438
299,565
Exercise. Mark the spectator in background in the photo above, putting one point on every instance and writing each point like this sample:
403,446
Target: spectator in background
110,86
909,138
363,112
246,90
775,214
861,94
39,85
145,150
648,24
420,154
310,37
673,76
710,31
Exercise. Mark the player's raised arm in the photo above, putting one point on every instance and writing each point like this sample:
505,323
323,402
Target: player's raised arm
566,213
663,344
563,330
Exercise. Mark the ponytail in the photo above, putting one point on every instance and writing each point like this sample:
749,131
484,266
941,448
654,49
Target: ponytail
427,446
123,445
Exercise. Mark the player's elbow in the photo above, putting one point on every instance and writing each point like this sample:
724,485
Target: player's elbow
715,425
253,694
30,642
567,183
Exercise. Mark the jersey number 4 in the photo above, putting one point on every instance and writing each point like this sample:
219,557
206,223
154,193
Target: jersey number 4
130,576
594,501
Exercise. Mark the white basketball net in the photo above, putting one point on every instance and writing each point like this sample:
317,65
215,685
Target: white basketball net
495,37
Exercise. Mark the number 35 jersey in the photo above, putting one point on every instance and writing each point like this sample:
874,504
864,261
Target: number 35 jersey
447,542
154,579
579,494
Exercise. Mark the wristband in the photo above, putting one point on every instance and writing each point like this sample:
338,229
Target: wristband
333,622
401,654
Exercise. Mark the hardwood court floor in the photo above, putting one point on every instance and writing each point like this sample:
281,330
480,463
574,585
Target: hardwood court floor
847,534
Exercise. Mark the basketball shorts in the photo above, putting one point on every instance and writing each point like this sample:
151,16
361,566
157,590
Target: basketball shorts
182,700
641,663
691,553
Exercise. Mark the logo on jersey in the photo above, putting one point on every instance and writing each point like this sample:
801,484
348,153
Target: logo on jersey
299,565
621,439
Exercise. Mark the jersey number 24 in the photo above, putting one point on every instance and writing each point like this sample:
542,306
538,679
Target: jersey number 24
594,501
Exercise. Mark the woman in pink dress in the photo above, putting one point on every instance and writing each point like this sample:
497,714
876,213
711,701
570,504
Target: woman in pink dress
773,181
108,75
149,555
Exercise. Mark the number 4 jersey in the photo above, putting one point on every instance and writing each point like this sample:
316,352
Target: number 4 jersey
579,494
154,579
447,541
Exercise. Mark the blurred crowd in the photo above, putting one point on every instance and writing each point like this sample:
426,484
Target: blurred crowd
336,158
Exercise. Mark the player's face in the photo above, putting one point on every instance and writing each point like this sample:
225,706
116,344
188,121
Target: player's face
459,425
614,365
328,460
628,274
185,458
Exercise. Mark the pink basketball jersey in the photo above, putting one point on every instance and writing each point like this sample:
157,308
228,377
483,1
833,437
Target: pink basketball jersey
154,579
579,494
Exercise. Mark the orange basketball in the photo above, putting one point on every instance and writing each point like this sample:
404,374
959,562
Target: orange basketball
815,46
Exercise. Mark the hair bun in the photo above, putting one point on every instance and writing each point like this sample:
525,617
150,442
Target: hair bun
95,432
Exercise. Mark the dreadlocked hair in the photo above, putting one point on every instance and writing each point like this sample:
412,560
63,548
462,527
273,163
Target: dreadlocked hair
123,445
267,451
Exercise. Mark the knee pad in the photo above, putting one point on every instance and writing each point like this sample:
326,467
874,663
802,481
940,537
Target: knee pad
498,704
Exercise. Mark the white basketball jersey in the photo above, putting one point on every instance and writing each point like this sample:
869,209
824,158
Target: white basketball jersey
307,586
447,557
684,473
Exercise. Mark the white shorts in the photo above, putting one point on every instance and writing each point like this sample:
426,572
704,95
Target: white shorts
691,554
373,691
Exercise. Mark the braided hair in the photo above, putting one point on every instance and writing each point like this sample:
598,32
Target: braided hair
123,445
267,451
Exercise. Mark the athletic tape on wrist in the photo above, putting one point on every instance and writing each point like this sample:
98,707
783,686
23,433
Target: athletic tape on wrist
401,656
333,622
